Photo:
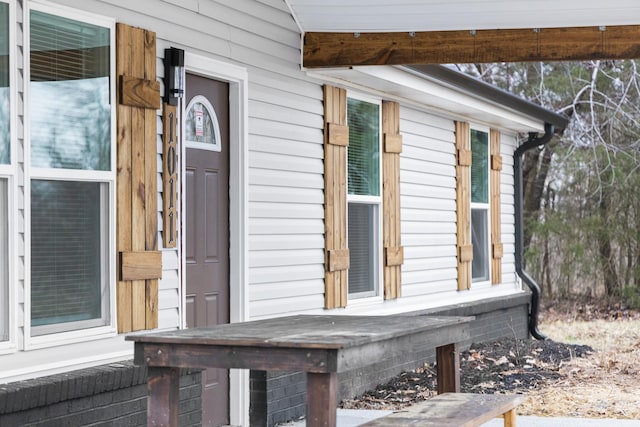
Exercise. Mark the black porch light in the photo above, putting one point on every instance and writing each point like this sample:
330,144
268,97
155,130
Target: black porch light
173,75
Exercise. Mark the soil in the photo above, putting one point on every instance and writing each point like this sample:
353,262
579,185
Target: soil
587,368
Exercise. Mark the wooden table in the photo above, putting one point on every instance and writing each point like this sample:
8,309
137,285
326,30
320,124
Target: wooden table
320,345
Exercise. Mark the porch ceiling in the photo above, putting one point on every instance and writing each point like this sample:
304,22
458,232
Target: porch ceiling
447,15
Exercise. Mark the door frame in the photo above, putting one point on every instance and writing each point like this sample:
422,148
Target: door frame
237,78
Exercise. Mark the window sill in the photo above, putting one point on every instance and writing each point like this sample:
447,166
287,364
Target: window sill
22,365
72,337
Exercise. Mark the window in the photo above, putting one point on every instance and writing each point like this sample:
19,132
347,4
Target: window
480,233
5,162
4,261
70,153
364,196
5,98
202,128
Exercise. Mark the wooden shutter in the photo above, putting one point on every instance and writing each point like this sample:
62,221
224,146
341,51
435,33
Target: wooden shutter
336,140
463,204
393,251
139,262
496,234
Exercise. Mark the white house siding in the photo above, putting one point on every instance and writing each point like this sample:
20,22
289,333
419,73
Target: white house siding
427,203
428,210
507,209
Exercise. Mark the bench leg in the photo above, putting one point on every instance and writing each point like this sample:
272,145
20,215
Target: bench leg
448,368
322,399
510,418
163,397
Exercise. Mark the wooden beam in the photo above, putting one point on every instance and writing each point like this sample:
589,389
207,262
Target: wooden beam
450,47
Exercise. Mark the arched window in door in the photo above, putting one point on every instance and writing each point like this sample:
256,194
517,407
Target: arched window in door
202,129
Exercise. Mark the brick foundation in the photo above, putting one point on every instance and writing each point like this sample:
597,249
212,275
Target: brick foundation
108,395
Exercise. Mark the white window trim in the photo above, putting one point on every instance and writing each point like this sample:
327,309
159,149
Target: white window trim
8,172
108,177
378,296
484,206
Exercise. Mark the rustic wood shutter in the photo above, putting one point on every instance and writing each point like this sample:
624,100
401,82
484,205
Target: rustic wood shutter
393,251
336,140
463,204
496,234
139,262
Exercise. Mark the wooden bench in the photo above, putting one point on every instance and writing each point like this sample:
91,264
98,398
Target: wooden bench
454,409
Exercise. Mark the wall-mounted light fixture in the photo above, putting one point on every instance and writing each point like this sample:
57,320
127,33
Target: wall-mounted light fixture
173,75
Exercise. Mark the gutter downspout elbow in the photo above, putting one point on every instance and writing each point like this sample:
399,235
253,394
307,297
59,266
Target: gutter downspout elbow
532,142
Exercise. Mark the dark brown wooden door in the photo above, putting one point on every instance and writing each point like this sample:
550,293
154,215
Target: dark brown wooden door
207,225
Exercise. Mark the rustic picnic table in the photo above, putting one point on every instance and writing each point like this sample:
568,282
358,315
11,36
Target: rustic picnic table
320,345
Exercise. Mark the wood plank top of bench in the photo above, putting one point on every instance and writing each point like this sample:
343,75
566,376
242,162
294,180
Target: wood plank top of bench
451,409
306,331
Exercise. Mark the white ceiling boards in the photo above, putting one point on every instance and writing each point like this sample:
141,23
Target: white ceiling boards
445,15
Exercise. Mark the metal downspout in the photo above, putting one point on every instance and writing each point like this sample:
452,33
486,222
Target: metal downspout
532,142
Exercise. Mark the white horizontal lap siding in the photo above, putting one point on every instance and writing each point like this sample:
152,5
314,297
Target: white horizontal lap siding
286,195
244,32
427,203
286,199
168,290
507,208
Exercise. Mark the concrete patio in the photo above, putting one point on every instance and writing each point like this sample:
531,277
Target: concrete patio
355,417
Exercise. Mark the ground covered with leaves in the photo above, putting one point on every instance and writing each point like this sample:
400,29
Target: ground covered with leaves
588,368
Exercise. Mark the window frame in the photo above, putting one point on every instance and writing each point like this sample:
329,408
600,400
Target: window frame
486,207
8,173
108,191
375,294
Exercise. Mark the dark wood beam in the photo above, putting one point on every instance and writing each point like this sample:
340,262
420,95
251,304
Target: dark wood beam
447,47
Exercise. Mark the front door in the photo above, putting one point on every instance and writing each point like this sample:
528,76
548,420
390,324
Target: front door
206,134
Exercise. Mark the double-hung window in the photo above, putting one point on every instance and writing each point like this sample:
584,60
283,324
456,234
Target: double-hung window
70,155
480,205
6,155
364,200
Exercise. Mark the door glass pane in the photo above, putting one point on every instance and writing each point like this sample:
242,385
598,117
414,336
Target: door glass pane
5,138
4,261
479,239
362,248
70,123
363,153
479,167
67,253
201,123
